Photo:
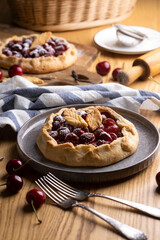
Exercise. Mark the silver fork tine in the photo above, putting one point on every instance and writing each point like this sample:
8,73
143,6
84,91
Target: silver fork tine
57,197
61,185
63,201
49,191
60,188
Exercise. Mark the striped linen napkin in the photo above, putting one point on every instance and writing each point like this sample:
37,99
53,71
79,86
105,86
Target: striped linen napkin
21,100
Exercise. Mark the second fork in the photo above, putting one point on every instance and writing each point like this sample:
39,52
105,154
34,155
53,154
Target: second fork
81,195
64,202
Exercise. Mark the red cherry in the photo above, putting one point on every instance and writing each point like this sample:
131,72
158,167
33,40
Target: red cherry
70,127
158,179
103,68
34,54
54,134
101,142
73,138
108,122
84,115
107,114
56,125
103,117
7,52
62,133
112,128
15,70
115,73
113,136
1,74
98,132
105,136
60,49
85,129
59,118
14,166
14,183
36,198
17,47
87,138
78,131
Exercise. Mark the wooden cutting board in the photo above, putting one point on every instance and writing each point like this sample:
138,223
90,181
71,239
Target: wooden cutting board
86,55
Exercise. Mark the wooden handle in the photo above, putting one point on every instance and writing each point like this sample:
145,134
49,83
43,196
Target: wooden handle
127,77
143,67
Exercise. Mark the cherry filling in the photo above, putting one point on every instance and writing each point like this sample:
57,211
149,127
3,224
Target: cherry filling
107,132
21,48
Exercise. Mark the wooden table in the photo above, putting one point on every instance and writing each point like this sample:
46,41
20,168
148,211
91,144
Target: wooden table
17,221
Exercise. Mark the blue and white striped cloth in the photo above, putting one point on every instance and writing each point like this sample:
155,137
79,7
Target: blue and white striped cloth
21,100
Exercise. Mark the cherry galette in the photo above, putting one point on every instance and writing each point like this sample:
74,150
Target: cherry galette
92,136
37,53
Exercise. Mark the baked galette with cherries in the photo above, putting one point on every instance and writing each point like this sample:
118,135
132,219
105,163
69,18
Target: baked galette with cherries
37,53
92,136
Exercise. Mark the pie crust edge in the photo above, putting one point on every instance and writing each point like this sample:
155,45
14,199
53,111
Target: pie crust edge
89,155
40,64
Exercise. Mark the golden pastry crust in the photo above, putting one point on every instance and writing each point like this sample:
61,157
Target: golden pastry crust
39,64
89,155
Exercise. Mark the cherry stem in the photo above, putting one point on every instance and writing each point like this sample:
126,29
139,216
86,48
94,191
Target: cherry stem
152,79
16,169
98,57
34,209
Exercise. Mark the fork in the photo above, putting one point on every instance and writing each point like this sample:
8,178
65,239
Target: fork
66,203
81,195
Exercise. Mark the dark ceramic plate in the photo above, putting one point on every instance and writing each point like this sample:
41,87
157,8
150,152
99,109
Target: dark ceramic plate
141,159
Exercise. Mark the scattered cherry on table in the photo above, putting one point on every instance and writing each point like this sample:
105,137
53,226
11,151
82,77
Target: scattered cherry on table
158,179
115,73
14,166
1,74
103,68
36,198
15,70
14,183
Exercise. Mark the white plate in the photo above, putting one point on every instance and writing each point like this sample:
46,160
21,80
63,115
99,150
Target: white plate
107,39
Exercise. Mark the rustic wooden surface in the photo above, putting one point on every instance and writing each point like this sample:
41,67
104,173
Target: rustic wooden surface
17,221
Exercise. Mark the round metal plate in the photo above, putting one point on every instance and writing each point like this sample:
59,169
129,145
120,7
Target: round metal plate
147,148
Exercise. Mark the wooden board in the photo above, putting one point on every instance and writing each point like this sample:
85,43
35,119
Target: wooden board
86,55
